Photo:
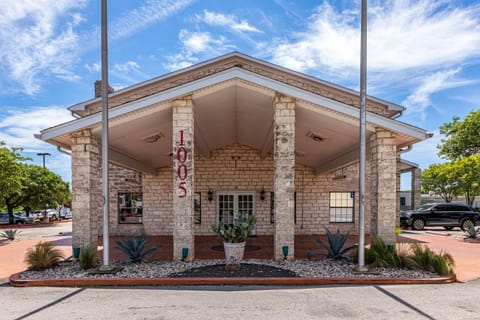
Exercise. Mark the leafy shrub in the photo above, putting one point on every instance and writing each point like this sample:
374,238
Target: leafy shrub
380,255
134,248
335,245
10,234
236,232
472,233
43,256
428,260
88,257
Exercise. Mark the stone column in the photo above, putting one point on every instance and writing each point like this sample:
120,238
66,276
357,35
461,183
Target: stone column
383,185
183,154
86,189
416,188
284,181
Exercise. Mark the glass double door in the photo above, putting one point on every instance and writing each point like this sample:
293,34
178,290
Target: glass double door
234,205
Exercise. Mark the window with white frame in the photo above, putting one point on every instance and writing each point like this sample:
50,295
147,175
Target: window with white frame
341,206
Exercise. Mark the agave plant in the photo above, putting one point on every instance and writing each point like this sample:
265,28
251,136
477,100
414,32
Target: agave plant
10,234
134,248
472,233
335,245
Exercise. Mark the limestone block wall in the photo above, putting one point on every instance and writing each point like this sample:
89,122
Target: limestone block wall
86,188
234,168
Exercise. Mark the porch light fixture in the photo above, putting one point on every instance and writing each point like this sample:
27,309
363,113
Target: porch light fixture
152,138
262,195
210,195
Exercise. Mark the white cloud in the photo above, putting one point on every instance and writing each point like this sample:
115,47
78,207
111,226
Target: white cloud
147,14
195,44
229,21
402,35
38,38
418,102
19,125
94,67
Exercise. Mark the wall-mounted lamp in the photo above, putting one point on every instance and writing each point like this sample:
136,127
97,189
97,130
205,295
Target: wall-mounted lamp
262,195
210,195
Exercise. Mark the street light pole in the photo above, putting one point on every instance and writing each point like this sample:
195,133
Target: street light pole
43,155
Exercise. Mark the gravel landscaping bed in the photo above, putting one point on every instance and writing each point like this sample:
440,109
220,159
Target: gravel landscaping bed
325,268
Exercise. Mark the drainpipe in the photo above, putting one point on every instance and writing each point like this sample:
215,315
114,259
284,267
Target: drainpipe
59,149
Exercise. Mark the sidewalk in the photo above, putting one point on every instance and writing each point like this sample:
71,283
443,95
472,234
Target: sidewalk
12,254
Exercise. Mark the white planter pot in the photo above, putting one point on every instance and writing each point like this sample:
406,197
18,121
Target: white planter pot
234,251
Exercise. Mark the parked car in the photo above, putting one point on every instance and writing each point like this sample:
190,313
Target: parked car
51,213
65,213
17,219
447,215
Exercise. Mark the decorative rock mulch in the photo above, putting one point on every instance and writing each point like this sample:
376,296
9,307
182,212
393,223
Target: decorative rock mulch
324,268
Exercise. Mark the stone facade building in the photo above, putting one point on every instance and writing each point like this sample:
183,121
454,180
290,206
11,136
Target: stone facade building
230,137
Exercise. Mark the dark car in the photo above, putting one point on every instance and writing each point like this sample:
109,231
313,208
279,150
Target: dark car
447,215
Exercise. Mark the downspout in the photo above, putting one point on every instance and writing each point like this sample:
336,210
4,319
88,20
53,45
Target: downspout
59,149
405,150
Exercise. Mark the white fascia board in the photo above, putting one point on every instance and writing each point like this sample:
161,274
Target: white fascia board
298,93
222,76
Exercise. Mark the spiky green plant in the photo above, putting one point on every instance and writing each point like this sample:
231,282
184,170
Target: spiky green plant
236,232
134,248
43,256
335,245
472,233
380,255
88,257
428,260
10,234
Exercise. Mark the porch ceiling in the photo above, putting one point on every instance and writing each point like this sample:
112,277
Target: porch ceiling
233,112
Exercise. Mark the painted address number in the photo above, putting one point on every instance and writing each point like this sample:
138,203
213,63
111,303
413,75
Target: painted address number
182,170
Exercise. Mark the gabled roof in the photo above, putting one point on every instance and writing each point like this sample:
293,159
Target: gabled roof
236,59
233,104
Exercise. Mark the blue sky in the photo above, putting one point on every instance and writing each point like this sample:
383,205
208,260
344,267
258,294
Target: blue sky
422,54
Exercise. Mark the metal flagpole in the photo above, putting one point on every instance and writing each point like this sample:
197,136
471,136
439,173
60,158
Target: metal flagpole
105,186
363,120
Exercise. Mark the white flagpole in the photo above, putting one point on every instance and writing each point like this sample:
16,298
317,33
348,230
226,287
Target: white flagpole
105,183
363,118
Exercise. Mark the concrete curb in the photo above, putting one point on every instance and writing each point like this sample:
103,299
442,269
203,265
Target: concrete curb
16,281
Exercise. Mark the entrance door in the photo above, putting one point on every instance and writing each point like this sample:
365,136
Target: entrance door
234,205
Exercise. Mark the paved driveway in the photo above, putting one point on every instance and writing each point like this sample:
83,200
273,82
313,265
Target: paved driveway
466,254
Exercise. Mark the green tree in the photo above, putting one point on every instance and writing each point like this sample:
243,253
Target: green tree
12,178
44,187
462,137
466,171
440,179
24,184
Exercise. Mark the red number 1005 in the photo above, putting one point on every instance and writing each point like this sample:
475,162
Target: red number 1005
182,171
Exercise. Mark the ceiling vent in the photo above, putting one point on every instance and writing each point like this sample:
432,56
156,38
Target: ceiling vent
152,138
314,136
